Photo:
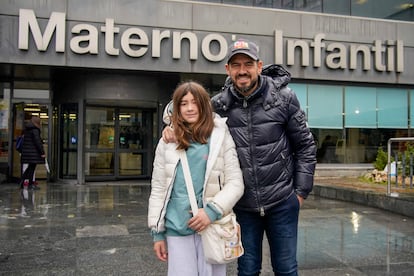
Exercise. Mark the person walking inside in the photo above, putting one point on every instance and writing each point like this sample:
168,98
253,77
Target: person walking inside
216,176
32,153
277,155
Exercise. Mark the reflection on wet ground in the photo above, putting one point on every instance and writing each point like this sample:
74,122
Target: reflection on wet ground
100,229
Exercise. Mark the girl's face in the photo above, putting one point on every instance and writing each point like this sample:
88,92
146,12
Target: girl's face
189,109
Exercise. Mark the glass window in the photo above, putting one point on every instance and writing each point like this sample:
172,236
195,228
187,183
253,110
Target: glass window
386,9
308,5
325,106
411,108
300,91
131,129
392,108
267,3
99,127
238,2
360,107
327,141
337,7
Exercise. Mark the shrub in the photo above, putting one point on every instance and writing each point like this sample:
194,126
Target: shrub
381,160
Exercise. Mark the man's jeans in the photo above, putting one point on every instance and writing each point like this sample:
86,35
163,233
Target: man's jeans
281,226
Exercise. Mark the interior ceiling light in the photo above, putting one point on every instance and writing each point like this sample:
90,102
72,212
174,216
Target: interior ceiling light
361,2
31,109
406,6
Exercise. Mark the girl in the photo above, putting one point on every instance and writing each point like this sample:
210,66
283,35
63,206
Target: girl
216,176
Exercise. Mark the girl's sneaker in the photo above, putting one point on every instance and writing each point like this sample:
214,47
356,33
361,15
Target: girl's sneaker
26,184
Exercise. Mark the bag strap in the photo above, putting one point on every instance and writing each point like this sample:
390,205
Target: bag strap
188,182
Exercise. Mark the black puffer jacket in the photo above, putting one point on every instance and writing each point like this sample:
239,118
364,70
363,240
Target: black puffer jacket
276,149
32,145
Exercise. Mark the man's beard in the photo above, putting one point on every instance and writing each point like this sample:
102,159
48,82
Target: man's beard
245,90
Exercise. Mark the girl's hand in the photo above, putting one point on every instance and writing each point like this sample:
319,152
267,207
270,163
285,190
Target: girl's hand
200,221
160,249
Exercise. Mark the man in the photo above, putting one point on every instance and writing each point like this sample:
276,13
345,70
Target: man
277,154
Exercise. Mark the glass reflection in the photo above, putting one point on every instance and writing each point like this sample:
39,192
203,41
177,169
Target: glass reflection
355,220
99,130
99,163
60,201
28,201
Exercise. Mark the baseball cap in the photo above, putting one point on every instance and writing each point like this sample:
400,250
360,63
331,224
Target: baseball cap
243,46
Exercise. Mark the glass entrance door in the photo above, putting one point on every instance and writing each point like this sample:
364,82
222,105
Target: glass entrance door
99,142
69,140
118,142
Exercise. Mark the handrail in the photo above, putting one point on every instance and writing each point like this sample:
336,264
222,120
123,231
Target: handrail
405,139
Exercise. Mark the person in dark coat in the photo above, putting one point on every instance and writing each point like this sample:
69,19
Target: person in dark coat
277,154
32,153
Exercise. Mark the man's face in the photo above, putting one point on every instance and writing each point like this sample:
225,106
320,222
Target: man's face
244,72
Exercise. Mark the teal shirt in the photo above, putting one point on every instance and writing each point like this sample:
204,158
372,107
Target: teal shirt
179,208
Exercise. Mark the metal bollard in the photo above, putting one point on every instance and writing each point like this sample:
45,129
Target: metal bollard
403,167
411,170
396,168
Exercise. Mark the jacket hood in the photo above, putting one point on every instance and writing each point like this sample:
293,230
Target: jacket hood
279,74
219,121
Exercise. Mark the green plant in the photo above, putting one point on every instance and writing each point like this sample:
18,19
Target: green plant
404,156
382,157
381,160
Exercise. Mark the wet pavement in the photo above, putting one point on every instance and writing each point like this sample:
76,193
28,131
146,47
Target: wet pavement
100,229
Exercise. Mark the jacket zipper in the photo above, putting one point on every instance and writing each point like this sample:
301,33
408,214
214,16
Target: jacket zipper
261,208
262,212
219,180
244,103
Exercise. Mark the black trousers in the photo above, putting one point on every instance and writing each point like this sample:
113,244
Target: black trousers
28,174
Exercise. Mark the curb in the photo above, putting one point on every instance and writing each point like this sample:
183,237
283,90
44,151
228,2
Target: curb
401,204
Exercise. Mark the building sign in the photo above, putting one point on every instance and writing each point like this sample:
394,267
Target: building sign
386,56
383,56
134,41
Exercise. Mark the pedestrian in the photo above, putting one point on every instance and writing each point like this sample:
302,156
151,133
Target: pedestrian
32,153
277,155
327,150
216,176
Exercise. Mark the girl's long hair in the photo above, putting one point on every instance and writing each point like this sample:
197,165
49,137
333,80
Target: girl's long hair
201,130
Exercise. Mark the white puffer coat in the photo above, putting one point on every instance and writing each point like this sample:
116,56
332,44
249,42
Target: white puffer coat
223,183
